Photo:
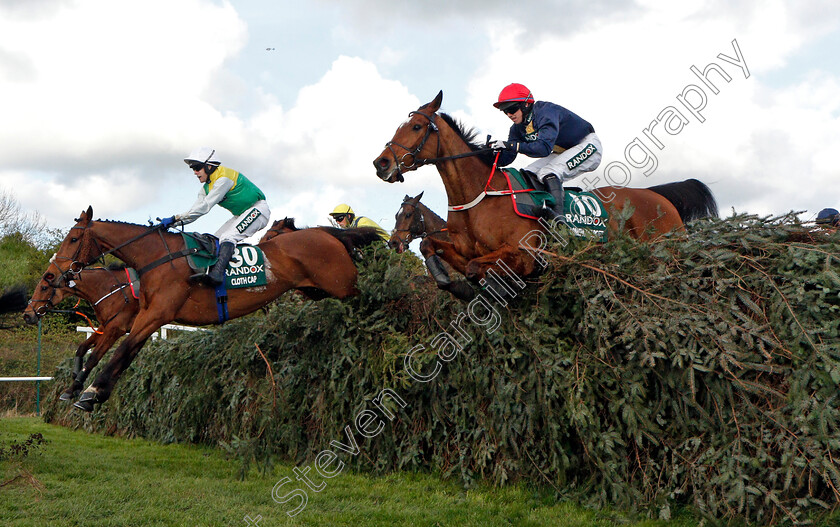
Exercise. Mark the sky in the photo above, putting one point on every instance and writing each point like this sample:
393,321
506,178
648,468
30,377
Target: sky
102,99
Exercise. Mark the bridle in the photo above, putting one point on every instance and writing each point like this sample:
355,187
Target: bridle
49,306
76,266
415,162
418,162
417,228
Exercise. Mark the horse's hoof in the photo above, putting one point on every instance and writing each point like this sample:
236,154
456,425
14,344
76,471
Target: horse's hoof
65,396
86,406
88,396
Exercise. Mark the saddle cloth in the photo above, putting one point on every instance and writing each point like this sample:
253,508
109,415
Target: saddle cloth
584,212
246,267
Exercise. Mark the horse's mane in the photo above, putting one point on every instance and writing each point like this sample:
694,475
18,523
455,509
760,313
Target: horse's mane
122,223
431,212
288,222
468,136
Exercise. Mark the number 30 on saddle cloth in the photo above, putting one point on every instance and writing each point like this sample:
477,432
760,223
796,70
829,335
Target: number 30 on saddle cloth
246,268
584,212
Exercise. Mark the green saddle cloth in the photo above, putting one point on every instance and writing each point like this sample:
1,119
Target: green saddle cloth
584,212
246,267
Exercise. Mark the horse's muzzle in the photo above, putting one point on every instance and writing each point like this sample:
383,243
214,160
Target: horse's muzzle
387,171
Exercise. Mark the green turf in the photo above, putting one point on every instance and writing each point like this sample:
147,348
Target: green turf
93,480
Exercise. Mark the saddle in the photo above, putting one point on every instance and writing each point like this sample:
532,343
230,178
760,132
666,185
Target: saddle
246,268
584,212
207,247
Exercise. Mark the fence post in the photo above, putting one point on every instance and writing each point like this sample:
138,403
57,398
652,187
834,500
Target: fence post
38,374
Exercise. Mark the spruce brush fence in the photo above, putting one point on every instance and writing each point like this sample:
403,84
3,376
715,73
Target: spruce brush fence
702,369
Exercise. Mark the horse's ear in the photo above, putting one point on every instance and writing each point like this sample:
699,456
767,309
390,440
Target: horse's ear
88,214
435,104
417,199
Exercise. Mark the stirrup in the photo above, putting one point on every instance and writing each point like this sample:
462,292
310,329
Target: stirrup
198,277
550,214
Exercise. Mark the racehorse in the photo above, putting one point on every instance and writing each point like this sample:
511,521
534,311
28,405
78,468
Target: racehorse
279,227
415,220
288,225
308,260
486,231
109,290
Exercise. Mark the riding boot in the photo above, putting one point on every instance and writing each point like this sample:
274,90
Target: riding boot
555,188
217,274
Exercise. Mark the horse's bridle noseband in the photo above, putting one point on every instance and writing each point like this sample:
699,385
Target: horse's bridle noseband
420,231
415,162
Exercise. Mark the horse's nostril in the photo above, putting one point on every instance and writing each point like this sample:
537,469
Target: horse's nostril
383,162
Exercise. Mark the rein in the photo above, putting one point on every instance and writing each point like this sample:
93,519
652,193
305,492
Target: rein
421,231
418,162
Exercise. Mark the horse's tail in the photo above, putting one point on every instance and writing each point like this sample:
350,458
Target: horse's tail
13,300
354,237
692,199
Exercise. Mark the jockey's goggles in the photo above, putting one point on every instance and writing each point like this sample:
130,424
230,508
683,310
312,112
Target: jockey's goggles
339,217
511,108
195,167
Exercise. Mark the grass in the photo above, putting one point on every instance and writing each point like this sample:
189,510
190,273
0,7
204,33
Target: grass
18,358
95,480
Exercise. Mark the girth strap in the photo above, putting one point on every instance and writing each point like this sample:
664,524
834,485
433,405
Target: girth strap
168,258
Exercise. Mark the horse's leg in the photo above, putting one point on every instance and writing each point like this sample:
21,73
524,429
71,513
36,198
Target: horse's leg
99,391
110,334
73,390
517,260
434,250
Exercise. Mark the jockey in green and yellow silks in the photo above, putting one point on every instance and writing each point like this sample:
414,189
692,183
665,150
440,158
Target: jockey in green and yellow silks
345,218
231,190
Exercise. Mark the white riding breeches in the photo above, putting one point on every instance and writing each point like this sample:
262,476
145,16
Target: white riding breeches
572,162
249,222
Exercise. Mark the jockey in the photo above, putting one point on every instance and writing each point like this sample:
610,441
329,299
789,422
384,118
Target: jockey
228,188
828,218
345,218
565,144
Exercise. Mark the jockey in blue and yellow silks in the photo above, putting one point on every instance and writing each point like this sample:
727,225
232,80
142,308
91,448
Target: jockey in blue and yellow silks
231,190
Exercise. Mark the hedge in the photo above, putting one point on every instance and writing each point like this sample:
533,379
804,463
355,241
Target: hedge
702,369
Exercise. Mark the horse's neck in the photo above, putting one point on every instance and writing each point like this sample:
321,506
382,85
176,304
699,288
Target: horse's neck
464,178
94,284
433,221
140,252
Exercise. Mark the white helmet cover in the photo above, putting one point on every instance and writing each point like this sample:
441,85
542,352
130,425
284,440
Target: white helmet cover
205,155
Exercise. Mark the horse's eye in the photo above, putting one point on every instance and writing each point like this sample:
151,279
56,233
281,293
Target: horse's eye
73,240
44,288
417,127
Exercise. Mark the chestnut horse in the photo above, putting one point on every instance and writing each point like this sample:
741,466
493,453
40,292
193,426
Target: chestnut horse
308,259
485,229
415,220
109,291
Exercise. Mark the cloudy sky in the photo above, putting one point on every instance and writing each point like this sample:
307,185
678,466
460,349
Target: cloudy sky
102,99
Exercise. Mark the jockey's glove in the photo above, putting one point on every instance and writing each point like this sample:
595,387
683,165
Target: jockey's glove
167,222
498,144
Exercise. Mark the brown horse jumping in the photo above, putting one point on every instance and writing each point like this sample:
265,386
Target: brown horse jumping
109,292
487,231
308,260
